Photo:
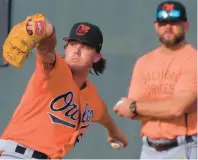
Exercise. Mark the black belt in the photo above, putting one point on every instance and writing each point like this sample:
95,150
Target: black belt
166,146
36,154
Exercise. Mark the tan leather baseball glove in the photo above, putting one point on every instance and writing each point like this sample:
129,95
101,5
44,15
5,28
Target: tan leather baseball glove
19,42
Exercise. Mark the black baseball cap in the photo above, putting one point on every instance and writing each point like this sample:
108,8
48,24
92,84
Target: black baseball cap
171,11
86,33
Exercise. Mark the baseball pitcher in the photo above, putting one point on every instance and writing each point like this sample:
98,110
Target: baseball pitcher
59,102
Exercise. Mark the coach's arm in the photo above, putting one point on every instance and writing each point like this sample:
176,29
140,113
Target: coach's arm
173,107
183,99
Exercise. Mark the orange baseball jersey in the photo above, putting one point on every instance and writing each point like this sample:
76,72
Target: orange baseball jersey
157,76
53,113
94,108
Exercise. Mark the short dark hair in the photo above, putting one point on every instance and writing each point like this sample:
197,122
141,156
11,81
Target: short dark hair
99,67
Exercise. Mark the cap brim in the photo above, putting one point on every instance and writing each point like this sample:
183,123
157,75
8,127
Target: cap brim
168,20
67,39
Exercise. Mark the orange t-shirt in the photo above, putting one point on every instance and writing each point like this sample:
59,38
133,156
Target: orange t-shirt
47,117
157,76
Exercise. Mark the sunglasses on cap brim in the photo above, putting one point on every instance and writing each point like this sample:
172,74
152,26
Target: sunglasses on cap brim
173,14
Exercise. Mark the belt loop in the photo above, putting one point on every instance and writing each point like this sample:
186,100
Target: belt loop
180,140
27,150
145,140
30,153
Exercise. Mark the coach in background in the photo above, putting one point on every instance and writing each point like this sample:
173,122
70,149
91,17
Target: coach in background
163,90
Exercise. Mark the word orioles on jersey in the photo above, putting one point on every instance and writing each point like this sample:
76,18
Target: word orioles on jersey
73,117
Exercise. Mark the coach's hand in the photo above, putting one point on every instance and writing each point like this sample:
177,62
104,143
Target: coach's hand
117,135
122,108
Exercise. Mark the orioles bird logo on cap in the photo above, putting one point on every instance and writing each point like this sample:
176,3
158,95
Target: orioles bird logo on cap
168,7
82,29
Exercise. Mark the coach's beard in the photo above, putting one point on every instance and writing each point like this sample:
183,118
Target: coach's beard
172,43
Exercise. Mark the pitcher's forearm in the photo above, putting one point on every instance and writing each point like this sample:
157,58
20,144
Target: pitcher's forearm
107,121
46,48
46,51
